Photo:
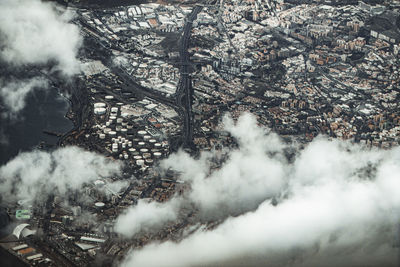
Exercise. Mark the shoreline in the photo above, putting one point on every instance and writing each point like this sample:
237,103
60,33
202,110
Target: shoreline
77,103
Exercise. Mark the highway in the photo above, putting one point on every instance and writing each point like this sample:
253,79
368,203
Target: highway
181,101
184,93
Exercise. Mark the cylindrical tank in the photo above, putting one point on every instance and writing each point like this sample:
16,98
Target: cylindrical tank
100,111
157,155
99,105
157,145
114,147
99,183
99,205
141,132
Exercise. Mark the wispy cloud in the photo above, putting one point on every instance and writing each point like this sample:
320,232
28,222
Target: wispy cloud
37,174
13,94
334,204
34,32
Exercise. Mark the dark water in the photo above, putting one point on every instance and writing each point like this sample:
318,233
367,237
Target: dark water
9,260
45,110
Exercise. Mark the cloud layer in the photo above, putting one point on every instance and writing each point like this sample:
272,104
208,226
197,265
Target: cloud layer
37,174
334,204
145,216
33,32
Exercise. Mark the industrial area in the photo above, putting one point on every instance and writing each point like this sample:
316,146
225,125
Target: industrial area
157,78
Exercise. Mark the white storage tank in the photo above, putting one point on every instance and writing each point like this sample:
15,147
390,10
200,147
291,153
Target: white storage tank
99,105
100,111
141,132
114,147
157,145
99,205
99,183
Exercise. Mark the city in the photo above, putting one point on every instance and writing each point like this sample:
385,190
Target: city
157,78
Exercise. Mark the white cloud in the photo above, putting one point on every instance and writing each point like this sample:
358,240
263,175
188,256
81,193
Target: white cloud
338,205
258,165
33,32
34,175
145,216
13,94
